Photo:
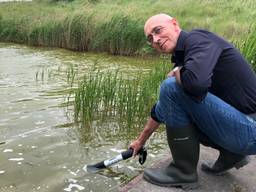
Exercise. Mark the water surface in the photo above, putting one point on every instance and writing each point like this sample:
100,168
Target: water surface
41,149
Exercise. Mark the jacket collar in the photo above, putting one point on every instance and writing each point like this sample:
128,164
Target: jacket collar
180,46
178,51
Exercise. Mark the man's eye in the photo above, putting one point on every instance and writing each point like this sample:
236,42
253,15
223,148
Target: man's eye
158,30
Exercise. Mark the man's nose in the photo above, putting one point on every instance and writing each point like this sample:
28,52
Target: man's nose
156,39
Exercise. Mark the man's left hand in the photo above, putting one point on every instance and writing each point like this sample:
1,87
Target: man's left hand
175,73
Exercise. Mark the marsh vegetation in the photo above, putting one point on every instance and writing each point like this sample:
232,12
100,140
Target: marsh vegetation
116,27
111,94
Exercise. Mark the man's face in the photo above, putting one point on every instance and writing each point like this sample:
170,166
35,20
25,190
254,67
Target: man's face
162,33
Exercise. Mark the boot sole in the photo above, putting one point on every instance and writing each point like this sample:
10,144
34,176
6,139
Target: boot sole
238,165
184,186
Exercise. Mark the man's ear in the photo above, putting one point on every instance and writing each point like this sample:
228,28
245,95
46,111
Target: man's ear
174,22
175,25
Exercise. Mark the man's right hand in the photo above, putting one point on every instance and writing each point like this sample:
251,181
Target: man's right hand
136,146
149,128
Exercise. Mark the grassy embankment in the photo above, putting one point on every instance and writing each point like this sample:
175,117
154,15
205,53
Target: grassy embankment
116,27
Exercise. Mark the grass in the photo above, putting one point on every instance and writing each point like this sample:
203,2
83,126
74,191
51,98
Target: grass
116,26
248,46
108,94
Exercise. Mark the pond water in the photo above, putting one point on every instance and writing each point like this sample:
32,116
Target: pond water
41,149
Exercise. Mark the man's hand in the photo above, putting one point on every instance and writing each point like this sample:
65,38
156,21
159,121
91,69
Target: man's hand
136,145
149,128
175,73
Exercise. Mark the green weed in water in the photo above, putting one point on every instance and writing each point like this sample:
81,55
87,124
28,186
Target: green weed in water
109,95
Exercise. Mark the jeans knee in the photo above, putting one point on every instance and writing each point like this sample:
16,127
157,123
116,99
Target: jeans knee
168,86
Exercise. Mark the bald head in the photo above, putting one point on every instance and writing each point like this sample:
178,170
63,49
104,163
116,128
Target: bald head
158,18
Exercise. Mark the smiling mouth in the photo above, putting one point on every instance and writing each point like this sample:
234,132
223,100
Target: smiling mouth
161,46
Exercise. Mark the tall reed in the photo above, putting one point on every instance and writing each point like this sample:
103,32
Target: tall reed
248,46
121,35
110,95
111,26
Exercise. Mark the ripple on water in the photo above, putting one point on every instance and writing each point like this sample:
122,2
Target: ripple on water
8,150
2,171
73,185
40,122
16,159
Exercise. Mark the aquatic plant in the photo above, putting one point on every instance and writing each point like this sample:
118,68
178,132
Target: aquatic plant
109,95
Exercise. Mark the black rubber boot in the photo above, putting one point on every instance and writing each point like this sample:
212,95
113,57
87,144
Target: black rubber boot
182,171
226,160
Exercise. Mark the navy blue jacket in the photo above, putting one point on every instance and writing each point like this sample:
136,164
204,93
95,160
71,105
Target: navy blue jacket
211,64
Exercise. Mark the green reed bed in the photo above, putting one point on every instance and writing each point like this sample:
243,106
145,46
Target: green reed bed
116,26
109,94
121,35
248,46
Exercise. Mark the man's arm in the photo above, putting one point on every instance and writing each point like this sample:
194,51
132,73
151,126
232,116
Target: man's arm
201,56
149,128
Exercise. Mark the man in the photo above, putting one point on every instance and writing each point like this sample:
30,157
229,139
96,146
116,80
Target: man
209,98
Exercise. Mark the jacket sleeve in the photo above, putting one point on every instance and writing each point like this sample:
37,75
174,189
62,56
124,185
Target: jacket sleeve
153,114
201,56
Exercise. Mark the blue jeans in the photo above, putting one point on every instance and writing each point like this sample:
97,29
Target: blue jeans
222,123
